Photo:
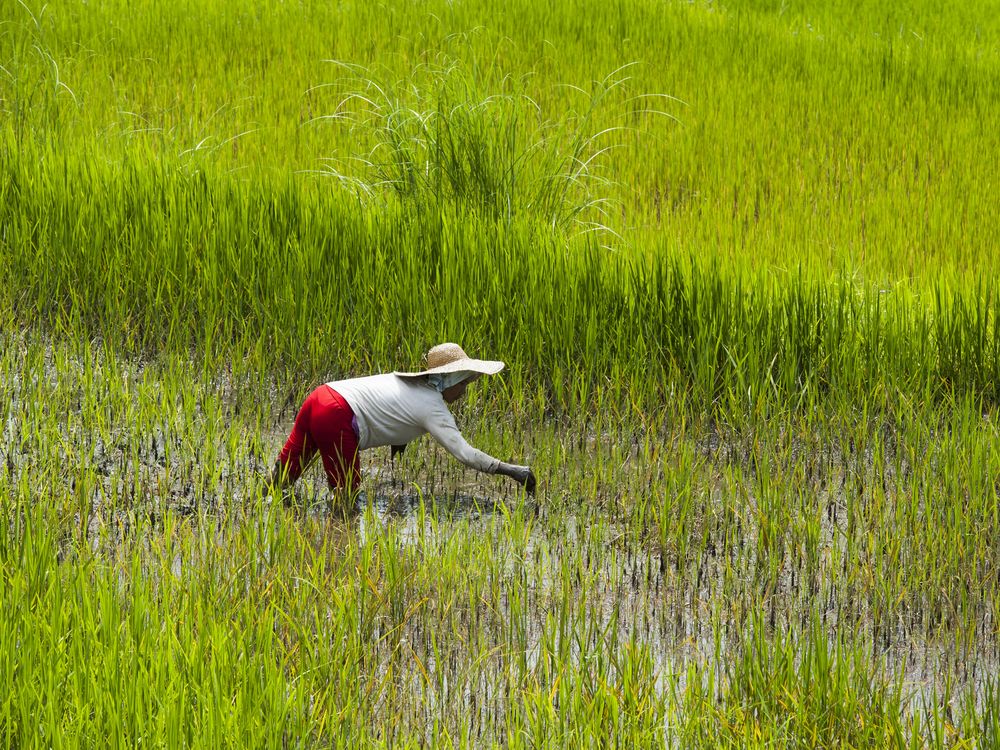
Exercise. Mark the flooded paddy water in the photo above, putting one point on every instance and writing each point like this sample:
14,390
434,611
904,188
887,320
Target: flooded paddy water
650,564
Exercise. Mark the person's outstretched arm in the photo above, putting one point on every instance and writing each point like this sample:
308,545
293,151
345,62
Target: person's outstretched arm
441,425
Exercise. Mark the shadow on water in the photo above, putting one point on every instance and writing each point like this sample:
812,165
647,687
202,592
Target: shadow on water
411,511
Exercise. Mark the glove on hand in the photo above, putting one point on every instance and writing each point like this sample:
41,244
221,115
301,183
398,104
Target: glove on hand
520,474
396,449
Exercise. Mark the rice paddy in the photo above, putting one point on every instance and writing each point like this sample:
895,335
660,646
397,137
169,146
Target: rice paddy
741,263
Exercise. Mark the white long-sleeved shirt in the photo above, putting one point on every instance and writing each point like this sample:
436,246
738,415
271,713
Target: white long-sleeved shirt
391,410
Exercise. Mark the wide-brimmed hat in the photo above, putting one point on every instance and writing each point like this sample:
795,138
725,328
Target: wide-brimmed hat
445,358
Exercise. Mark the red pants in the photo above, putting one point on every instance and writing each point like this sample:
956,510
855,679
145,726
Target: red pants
324,424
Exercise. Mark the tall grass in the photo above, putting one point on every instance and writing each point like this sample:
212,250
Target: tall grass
156,258
444,137
851,141
738,259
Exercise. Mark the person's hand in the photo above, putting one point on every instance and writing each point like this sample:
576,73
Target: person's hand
396,449
529,481
279,476
520,474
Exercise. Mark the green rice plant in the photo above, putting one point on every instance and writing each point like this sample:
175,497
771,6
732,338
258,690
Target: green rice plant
804,694
710,334
443,134
456,608
761,398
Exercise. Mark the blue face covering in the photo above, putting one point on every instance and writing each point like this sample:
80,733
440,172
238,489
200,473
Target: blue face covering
442,381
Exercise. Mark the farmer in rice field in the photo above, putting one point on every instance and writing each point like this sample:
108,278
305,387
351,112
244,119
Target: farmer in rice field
342,418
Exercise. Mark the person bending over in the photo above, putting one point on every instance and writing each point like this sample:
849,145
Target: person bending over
341,418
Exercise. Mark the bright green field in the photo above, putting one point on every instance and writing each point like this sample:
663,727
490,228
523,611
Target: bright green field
740,259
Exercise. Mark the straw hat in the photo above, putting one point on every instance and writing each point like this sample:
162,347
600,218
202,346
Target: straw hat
445,358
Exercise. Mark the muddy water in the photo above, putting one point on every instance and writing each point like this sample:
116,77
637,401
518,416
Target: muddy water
566,555
626,590
622,585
